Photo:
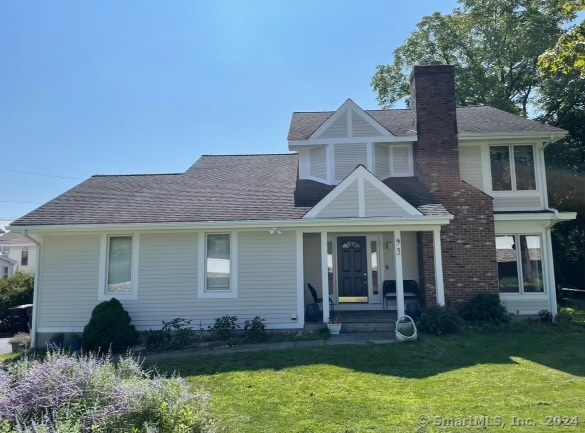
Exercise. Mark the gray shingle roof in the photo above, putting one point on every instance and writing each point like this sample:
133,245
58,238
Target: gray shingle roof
13,239
473,120
215,188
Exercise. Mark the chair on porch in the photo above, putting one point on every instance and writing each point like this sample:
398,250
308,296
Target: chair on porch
410,289
317,301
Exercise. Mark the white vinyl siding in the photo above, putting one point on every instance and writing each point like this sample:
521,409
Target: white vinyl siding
69,281
361,128
401,160
318,162
348,157
470,165
518,201
343,206
337,129
381,161
379,205
522,304
168,281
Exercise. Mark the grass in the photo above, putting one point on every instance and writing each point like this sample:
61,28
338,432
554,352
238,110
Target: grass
523,372
9,357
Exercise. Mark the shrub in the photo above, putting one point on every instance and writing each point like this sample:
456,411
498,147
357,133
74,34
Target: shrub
487,308
565,315
22,339
440,320
14,291
109,328
255,329
74,394
174,334
545,316
224,327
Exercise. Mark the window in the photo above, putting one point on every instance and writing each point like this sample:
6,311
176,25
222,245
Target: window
119,271
24,257
519,263
4,272
374,262
330,266
5,251
218,262
512,168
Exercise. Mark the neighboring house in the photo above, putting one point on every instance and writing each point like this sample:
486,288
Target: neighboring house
6,267
21,250
448,197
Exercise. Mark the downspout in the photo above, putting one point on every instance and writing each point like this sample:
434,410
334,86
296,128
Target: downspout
33,330
552,295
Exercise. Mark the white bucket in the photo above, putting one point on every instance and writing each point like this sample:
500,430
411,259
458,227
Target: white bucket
401,321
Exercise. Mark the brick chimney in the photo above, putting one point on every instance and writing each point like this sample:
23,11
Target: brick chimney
434,105
468,243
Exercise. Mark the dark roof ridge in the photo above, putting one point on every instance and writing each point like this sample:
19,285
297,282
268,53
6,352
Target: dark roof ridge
252,154
139,174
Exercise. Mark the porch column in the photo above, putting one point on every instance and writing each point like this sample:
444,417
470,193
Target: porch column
399,276
300,317
324,277
438,266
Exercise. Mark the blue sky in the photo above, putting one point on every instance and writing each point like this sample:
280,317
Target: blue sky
140,86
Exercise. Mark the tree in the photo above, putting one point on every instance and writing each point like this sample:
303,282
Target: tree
493,44
568,55
562,98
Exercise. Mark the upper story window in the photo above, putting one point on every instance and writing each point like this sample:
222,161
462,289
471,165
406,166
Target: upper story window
24,257
512,167
5,251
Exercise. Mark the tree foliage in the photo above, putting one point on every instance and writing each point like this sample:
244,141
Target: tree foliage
568,55
493,44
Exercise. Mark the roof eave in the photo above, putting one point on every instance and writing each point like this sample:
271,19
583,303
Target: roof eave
262,224
548,136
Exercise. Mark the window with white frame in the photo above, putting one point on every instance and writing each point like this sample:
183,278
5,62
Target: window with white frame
512,167
5,251
218,262
520,263
119,264
4,274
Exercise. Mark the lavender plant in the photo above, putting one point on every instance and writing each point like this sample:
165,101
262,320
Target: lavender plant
89,393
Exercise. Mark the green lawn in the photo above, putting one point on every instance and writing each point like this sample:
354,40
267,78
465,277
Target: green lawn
524,373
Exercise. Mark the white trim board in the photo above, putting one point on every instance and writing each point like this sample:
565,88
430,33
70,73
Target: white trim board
347,108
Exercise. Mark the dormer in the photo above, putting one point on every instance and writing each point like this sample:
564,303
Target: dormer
332,144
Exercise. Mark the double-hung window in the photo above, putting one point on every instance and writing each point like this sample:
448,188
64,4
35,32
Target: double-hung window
5,251
24,257
119,272
512,167
218,265
520,263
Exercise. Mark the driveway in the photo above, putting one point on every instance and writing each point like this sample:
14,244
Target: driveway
5,347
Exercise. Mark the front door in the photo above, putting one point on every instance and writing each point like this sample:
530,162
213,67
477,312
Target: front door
352,281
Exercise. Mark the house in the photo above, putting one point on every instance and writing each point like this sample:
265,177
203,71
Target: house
7,267
20,250
452,198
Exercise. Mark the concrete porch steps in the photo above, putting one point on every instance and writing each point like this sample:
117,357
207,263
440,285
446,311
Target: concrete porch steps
366,321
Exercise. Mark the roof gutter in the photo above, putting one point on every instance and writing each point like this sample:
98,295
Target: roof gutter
263,224
33,330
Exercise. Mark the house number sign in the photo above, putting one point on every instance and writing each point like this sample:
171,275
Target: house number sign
398,246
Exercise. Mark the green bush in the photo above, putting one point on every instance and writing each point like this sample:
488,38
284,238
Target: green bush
109,328
174,334
224,328
486,308
440,320
565,315
16,290
255,329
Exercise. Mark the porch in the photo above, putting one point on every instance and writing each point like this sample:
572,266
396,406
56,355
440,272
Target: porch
369,276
